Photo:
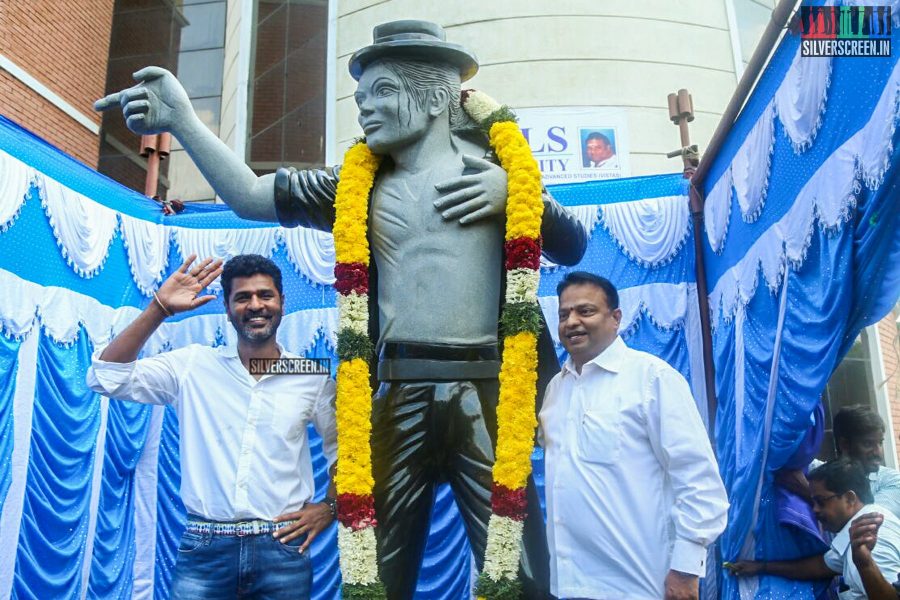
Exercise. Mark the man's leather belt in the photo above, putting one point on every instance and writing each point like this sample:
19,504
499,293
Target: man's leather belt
400,361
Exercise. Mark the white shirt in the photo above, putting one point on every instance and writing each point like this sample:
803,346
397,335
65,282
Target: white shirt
608,163
632,486
244,448
886,553
885,484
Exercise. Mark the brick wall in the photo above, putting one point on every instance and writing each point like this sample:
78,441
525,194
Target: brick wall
64,45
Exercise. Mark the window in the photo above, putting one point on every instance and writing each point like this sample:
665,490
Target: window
201,63
144,32
287,95
851,383
751,16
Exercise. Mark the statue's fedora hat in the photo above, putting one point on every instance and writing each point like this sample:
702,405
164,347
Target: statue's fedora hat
413,40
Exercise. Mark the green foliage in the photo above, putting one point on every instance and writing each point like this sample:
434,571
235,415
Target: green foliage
352,344
518,317
505,589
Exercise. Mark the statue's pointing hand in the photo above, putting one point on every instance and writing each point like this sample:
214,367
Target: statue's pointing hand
478,195
157,103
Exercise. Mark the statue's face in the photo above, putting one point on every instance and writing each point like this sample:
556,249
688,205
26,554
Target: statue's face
390,118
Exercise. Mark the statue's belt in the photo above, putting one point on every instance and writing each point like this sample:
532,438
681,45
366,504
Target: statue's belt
399,361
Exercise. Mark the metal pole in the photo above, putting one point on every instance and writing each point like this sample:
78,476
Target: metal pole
777,22
681,112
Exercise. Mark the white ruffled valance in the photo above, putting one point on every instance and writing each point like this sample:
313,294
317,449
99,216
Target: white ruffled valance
750,166
799,104
84,229
62,313
667,305
311,252
748,176
15,179
717,211
147,245
800,99
651,231
225,243
829,196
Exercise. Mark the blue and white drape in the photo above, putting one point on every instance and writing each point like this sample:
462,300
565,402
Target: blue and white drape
802,251
89,487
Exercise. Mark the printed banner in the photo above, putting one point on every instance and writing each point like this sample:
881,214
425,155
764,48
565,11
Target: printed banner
574,143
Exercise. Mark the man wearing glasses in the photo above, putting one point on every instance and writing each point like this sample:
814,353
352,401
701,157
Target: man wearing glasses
839,491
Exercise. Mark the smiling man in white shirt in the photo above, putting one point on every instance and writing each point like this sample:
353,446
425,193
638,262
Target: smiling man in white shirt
246,472
634,495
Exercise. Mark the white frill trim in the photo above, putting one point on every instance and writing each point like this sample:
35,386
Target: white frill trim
750,180
799,104
717,211
829,197
665,304
311,252
84,229
147,247
225,244
15,179
62,313
800,99
650,232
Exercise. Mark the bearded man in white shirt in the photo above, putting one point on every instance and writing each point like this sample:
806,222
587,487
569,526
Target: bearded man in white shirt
634,495
246,473
859,435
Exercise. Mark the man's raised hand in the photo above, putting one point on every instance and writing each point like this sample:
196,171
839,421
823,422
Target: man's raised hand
180,292
157,103
470,198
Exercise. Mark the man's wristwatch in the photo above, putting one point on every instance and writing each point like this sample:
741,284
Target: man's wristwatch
332,505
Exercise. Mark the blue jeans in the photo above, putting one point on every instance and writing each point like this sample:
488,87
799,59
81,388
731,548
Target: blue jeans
218,567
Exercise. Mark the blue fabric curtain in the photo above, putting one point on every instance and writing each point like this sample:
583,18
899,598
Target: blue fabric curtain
847,279
170,512
9,368
114,549
63,440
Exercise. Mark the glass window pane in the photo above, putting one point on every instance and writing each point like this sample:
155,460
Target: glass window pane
200,72
206,27
752,18
209,109
288,102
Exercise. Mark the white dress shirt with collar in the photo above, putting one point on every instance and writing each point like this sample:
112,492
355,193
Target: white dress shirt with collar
244,447
633,489
886,554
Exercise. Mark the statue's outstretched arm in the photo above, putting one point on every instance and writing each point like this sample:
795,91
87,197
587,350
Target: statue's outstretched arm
159,103
564,237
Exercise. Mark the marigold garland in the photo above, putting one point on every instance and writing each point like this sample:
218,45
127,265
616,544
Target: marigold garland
520,323
356,505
